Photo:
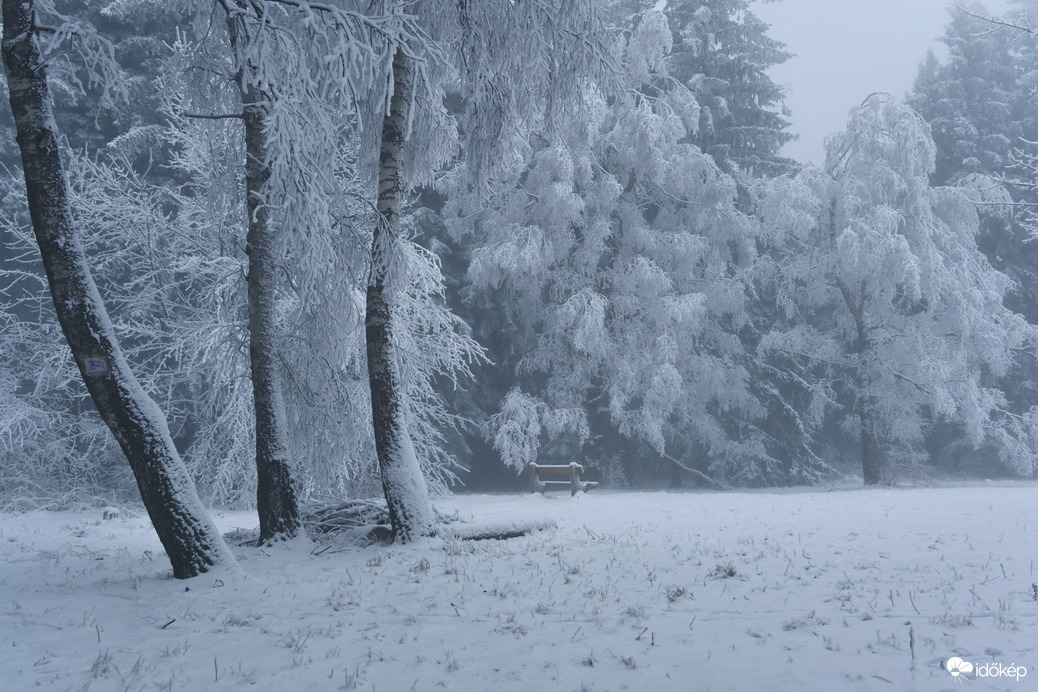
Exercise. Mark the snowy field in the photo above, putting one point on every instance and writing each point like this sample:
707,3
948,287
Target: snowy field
801,590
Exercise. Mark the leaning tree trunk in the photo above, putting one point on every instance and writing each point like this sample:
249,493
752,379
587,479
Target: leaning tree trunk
190,539
275,495
410,511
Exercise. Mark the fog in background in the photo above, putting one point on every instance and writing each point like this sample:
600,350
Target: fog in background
845,50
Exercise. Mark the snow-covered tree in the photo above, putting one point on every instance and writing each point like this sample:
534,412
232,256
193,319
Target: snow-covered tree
295,65
439,45
721,53
882,277
191,541
981,106
275,496
308,251
517,67
980,103
622,262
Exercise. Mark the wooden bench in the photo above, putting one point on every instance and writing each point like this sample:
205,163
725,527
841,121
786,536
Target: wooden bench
539,473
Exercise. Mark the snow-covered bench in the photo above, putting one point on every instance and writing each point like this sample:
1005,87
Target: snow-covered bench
540,472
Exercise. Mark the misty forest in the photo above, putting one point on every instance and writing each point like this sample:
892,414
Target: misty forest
301,300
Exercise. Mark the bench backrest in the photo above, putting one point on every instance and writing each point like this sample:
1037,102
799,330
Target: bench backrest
571,471
555,469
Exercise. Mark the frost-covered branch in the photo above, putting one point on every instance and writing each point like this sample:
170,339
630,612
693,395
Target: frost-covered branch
998,22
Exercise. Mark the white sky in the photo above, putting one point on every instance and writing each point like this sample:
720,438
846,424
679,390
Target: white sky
844,51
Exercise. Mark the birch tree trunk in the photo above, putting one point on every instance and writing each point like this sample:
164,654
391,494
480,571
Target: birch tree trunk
275,495
188,536
410,510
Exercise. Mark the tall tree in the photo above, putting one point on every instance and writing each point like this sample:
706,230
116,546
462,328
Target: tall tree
981,105
514,65
314,210
191,541
722,54
531,252
622,265
275,494
977,100
291,144
311,122
410,511
895,292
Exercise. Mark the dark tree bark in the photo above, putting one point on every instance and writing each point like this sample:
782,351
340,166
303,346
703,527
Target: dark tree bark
275,494
864,406
410,511
190,539
864,402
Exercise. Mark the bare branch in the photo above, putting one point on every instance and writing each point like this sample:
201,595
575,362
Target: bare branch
997,22
215,116
695,472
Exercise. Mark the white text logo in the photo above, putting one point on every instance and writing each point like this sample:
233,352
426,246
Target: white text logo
957,667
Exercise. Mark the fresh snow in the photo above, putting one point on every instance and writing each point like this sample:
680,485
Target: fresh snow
797,590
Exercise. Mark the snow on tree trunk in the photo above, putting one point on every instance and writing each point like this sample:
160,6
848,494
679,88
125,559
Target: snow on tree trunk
275,495
191,541
410,510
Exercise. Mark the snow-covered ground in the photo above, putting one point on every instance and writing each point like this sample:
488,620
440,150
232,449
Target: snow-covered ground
800,590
